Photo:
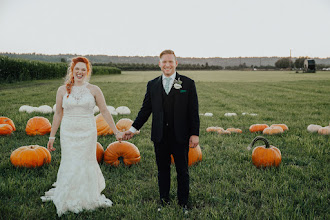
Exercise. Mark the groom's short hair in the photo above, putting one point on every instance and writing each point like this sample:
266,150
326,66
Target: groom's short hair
167,52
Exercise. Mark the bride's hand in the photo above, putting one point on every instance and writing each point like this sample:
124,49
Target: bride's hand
120,136
50,145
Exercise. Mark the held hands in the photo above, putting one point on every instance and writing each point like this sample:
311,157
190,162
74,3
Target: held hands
124,135
128,135
120,136
193,141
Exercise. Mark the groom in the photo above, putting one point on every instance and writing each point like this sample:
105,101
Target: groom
172,100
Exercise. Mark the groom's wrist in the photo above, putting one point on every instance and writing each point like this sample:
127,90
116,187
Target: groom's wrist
132,129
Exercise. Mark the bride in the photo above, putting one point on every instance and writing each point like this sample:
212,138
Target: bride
79,179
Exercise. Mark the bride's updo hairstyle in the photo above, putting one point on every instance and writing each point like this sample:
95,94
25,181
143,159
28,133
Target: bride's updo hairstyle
69,79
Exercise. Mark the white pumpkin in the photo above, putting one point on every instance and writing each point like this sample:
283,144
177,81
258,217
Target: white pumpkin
123,110
24,108
46,109
228,114
313,128
54,108
112,110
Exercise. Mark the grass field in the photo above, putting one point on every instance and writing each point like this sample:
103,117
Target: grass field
225,185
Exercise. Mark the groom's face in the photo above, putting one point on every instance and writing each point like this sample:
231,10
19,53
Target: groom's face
168,64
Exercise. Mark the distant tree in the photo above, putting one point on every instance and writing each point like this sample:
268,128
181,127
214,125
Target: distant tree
63,60
299,63
283,63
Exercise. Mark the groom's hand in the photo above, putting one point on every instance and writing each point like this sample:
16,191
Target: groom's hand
128,135
193,141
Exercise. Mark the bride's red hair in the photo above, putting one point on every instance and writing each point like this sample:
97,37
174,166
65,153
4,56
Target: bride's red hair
69,82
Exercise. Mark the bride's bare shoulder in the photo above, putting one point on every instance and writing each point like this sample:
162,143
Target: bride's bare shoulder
62,89
93,88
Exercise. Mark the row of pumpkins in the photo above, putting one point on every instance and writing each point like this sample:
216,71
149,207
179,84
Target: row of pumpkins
264,128
36,156
40,126
270,130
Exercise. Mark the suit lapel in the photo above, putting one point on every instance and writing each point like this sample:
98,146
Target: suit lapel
158,91
174,90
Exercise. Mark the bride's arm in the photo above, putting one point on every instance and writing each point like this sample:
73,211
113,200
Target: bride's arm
57,118
100,102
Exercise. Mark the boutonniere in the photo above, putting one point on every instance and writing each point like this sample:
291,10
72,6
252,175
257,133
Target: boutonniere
177,83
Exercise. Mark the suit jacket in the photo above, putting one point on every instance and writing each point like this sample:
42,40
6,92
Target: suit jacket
186,116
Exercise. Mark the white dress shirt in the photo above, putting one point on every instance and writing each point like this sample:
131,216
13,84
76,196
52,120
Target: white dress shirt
171,81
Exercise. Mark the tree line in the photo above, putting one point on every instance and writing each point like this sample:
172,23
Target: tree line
285,63
15,70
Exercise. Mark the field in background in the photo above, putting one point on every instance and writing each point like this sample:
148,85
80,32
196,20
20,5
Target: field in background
220,76
225,185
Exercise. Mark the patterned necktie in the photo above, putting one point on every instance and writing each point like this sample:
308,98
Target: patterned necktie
167,84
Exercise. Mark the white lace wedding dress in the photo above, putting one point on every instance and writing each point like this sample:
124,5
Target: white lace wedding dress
79,179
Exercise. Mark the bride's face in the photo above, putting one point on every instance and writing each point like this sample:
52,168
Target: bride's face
80,72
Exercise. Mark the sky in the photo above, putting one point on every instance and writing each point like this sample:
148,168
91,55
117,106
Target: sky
192,28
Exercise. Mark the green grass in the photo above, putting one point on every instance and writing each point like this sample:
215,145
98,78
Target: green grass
225,185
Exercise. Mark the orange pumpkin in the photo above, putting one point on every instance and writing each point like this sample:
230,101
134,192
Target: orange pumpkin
126,151
5,129
102,126
266,155
194,155
283,126
324,131
234,130
273,130
258,127
38,126
124,124
8,121
210,129
99,152
30,156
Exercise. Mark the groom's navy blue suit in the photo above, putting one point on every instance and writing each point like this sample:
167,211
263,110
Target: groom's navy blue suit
175,118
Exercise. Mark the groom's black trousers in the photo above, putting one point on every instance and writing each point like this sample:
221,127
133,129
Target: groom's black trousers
163,151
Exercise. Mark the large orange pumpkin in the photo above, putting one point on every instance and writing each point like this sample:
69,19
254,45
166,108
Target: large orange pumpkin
5,129
8,121
38,126
126,151
258,127
273,130
99,152
266,155
194,155
102,126
30,156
